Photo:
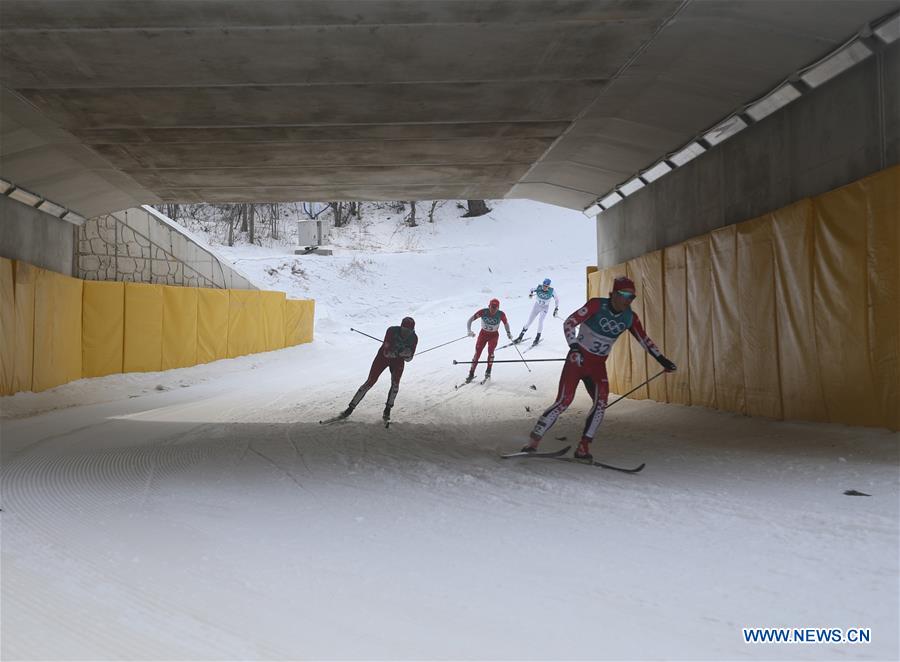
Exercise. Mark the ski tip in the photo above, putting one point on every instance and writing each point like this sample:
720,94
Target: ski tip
624,470
556,453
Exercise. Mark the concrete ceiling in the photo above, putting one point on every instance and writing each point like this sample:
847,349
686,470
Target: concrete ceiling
107,103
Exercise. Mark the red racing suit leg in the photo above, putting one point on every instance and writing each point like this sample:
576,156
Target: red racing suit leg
379,363
484,337
591,366
396,366
491,346
599,390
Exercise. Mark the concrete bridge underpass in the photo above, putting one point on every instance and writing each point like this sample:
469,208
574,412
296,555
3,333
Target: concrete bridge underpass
106,105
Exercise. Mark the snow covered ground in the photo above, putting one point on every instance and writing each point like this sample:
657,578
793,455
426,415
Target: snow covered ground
204,513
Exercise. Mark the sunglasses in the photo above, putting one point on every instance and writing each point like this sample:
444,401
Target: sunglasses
625,294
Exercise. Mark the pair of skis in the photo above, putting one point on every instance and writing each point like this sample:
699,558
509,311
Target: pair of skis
510,344
335,419
558,455
472,381
531,347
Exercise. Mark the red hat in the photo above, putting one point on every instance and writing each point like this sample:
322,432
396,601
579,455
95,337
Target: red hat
494,303
408,323
623,283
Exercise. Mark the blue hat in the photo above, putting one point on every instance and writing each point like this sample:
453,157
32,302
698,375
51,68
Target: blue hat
546,281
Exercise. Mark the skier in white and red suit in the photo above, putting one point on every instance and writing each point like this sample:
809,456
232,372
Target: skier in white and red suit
491,319
590,332
398,348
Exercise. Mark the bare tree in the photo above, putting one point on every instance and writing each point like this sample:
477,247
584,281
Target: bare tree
411,218
434,205
341,213
231,220
252,221
477,208
274,210
244,217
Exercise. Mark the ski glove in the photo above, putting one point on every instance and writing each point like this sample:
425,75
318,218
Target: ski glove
666,363
575,355
471,333
509,335
555,310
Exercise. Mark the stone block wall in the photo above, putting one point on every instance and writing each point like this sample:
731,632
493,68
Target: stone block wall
142,245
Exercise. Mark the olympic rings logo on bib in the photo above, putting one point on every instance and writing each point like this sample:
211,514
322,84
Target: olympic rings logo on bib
610,326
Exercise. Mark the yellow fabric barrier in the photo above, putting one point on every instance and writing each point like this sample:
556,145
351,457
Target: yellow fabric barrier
840,296
25,276
605,282
882,195
592,277
245,330
7,327
758,333
143,327
179,327
654,320
299,316
726,345
795,314
102,328
57,330
801,387
700,328
676,323
593,282
212,324
273,319
634,269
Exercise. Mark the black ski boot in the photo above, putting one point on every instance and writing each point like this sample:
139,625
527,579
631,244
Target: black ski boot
519,337
470,377
583,453
537,339
346,412
386,414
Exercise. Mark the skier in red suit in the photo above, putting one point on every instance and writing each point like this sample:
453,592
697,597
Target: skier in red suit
491,319
591,332
398,348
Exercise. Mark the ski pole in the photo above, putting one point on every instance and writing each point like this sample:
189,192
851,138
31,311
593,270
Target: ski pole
522,357
622,397
455,362
365,334
442,344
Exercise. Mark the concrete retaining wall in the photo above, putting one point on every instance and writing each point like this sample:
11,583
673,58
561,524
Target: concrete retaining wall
144,246
844,130
32,236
